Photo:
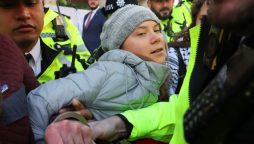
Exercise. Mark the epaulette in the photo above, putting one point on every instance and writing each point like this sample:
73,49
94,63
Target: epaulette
64,15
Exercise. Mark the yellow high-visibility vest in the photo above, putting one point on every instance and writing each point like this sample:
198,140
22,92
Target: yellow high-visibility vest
48,36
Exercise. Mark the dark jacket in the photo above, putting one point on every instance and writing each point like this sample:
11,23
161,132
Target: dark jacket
91,35
16,74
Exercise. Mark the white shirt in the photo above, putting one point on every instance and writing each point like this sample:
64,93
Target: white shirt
35,62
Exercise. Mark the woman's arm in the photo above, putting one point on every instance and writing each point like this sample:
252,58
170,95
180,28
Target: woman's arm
156,121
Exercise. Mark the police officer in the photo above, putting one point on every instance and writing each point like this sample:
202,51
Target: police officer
35,34
181,16
59,45
162,9
173,19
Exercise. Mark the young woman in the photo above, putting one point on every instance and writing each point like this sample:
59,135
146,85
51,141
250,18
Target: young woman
129,76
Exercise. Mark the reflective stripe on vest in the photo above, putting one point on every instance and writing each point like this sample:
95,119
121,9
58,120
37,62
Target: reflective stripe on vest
48,37
48,34
49,73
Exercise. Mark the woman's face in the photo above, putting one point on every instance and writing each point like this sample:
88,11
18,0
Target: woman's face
147,42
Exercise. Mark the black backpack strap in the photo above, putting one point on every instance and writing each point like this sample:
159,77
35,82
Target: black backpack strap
14,107
181,70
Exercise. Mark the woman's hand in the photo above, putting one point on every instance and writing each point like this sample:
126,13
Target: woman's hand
77,106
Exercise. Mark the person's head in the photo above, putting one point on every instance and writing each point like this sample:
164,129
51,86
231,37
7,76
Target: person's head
135,29
22,20
113,5
236,15
93,4
162,8
199,9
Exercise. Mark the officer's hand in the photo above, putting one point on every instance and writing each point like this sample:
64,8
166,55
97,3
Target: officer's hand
109,129
68,132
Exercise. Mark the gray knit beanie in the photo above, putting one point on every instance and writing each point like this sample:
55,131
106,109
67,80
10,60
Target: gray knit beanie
122,22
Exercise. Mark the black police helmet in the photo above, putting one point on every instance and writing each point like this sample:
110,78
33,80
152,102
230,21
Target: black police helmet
112,5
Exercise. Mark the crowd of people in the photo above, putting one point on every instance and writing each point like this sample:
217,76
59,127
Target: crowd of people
165,73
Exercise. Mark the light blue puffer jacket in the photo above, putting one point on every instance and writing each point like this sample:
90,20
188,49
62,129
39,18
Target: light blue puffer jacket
119,81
